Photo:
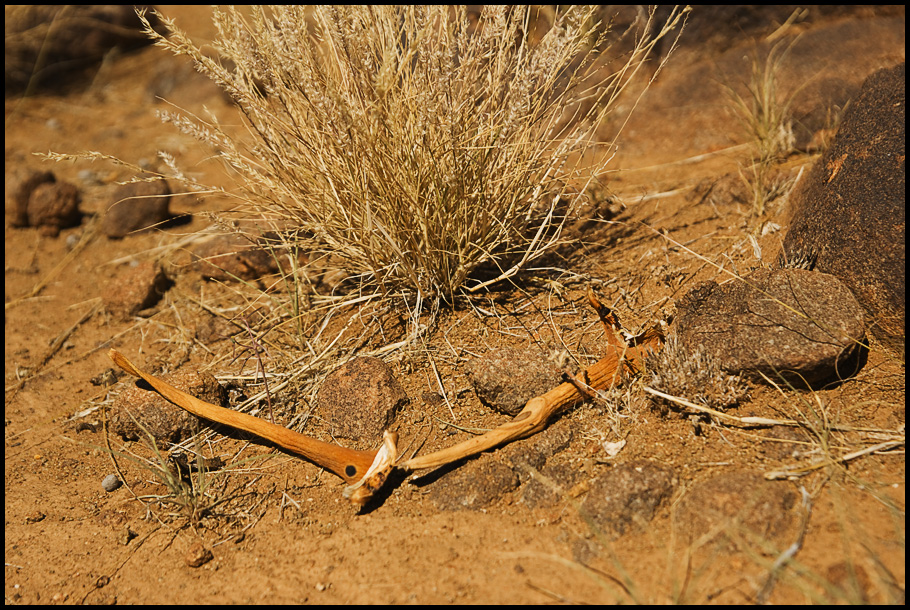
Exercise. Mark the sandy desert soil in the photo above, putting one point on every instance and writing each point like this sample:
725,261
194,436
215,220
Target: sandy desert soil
284,533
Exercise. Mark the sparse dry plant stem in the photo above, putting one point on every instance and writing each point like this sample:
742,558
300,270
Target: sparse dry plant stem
768,124
411,142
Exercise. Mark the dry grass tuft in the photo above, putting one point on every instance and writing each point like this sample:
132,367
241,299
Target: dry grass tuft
768,124
697,376
411,142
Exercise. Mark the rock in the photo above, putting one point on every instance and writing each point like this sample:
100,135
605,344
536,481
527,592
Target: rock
135,289
360,399
232,257
167,423
849,212
535,451
111,483
506,379
197,556
476,485
53,206
628,495
802,324
47,44
483,480
537,494
740,505
21,187
136,206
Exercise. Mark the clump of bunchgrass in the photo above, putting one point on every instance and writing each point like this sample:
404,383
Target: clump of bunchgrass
693,375
768,123
413,144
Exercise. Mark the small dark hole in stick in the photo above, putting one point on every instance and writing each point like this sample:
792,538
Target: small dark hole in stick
350,470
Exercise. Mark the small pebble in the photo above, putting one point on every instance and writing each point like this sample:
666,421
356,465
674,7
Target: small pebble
197,556
110,483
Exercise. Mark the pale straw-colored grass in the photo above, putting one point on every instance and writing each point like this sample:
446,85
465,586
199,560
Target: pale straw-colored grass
413,143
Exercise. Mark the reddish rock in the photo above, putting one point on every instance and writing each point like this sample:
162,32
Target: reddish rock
849,213
801,324
135,289
53,206
137,408
736,506
506,379
137,206
47,45
21,188
232,257
197,556
360,399
628,495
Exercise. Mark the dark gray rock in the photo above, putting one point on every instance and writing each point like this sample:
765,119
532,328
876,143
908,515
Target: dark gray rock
505,379
628,495
360,399
849,212
476,485
137,206
801,324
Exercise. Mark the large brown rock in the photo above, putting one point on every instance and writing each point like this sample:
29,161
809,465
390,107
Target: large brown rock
505,379
628,496
54,206
799,324
232,257
137,206
135,289
20,186
48,46
849,212
739,507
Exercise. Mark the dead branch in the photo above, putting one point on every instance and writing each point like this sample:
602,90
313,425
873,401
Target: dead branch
604,374
349,464
366,471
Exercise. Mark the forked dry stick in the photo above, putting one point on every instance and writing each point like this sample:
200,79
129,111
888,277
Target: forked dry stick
366,471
